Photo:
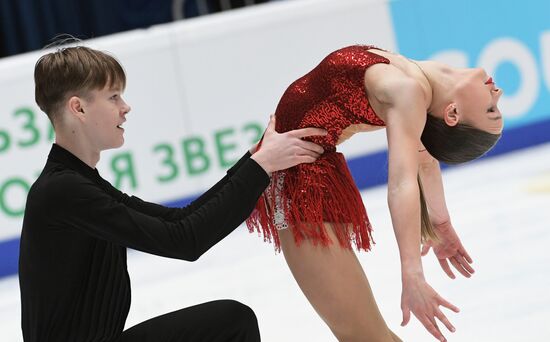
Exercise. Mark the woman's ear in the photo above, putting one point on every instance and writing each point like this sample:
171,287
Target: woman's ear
450,115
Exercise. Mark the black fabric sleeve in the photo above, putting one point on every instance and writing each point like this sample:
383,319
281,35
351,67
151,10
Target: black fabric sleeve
86,206
173,214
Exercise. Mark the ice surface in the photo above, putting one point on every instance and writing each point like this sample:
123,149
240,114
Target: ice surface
499,206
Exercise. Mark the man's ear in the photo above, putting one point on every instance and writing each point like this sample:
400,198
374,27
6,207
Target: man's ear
76,107
451,115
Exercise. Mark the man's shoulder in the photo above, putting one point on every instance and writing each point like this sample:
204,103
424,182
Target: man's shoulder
56,180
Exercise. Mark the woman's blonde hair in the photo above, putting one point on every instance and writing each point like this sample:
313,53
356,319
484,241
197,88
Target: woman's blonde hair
451,145
427,231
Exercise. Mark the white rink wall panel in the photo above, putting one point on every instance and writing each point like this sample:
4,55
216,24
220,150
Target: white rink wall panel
201,92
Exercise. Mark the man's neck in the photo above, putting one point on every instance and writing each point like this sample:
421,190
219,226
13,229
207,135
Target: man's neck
79,148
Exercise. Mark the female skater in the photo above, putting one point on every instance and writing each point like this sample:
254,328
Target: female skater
314,212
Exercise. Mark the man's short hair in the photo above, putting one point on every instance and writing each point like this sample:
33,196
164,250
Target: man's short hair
73,71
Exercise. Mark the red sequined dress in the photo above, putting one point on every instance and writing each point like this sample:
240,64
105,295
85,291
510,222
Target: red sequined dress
332,96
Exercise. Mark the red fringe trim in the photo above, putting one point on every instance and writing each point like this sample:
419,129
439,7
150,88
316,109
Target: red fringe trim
312,194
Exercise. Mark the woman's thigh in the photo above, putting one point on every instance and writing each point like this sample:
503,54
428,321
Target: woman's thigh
334,282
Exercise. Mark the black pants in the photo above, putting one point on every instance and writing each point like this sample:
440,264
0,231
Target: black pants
217,321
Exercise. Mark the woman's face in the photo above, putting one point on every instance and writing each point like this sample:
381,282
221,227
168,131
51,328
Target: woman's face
476,99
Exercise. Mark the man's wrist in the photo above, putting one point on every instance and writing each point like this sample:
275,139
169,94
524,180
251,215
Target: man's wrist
263,161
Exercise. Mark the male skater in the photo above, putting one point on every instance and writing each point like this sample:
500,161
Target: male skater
72,268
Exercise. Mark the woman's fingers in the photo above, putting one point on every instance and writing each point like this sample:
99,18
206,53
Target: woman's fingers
446,268
465,254
406,316
465,264
425,304
441,316
447,304
458,266
431,325
425,249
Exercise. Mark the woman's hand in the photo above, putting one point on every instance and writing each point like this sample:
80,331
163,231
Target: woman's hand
421,299
450,249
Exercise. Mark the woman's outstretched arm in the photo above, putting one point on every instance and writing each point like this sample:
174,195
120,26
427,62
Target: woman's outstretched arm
449,248
405,121
430,175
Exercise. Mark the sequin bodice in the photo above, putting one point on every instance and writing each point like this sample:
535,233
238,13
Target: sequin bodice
331,96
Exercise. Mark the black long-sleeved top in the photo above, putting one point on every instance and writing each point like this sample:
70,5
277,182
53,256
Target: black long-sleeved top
72,266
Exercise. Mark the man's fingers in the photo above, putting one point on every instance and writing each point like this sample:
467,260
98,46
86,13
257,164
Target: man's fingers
308,145
446,268
301,151
307,132
303,160
309,153
271,124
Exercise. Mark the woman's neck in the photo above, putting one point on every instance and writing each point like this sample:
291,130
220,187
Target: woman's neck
442,79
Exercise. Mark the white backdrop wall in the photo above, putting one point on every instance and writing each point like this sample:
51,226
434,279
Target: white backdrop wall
201,92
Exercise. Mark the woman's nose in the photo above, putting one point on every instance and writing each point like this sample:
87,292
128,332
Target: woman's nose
482,72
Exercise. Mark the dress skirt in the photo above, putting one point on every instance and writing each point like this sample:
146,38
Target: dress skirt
305,197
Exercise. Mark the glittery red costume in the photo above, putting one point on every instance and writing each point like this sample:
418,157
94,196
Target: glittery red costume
332,96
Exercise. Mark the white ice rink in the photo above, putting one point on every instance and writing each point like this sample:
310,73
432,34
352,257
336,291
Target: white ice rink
500,208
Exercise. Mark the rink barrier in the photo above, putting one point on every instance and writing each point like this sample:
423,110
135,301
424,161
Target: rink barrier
374,165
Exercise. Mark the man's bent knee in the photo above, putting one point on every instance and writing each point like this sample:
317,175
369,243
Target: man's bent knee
242,318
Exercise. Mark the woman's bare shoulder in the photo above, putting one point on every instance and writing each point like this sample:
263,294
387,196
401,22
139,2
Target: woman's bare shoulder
388,87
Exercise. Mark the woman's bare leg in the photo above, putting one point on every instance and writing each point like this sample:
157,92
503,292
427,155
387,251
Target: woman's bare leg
395,337
336,286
